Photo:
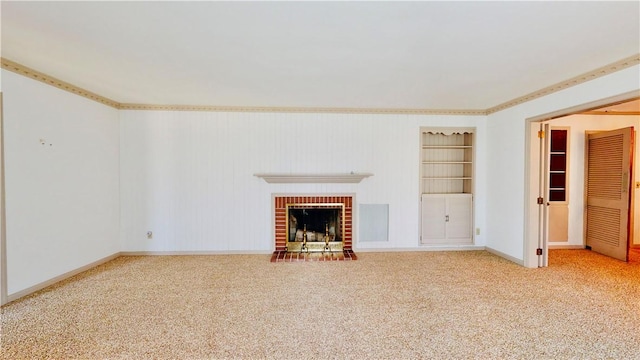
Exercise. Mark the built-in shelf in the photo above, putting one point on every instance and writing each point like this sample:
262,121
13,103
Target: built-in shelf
313,178
446,185
446,160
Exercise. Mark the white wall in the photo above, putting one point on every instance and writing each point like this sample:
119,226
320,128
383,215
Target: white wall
189,176
578,125
507,133
62,195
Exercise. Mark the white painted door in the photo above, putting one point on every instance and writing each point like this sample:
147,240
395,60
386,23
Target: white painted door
3,234
543,191
608,188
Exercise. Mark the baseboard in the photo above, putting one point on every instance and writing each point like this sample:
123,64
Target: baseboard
166,253
424,248
505,256
566,247
42,285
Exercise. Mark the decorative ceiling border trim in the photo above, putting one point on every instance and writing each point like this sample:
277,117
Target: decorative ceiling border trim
50,80
300,110
594,74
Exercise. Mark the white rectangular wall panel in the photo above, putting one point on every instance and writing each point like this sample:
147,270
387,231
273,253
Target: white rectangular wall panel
373,222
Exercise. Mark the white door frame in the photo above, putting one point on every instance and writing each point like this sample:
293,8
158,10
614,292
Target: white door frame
3,229
532,160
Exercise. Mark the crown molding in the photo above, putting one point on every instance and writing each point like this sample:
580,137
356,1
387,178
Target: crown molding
50,80
594,74
300,109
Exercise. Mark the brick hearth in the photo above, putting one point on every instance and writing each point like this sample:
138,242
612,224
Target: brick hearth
283,256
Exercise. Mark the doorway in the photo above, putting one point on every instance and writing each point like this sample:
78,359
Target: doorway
616,114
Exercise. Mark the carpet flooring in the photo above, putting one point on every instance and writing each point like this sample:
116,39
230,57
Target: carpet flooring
399,305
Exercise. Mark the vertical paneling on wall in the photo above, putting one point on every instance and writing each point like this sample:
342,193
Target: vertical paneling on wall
189,176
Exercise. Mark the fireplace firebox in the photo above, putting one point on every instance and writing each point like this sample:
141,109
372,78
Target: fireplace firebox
315,227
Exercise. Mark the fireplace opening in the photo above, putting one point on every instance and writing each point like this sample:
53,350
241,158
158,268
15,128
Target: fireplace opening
315,227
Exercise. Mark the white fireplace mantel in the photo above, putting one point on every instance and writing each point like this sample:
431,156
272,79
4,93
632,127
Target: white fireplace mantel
313,178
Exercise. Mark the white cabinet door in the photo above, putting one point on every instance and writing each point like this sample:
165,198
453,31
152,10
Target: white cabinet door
434,211
459,228
447,219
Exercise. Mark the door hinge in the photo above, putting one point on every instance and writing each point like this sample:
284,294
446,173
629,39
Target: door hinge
541,134
538,251
540,201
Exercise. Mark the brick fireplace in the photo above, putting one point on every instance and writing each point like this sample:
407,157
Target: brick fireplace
282,203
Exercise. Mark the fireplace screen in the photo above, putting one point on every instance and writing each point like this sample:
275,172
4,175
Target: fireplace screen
315,227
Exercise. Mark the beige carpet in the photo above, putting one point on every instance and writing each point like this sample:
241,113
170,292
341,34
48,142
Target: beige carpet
420,305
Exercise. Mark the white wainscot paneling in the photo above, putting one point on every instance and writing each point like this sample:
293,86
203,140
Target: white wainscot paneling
189,176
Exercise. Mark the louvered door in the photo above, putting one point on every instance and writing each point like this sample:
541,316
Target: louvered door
609,165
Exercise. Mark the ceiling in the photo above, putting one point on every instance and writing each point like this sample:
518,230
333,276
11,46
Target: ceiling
380,55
